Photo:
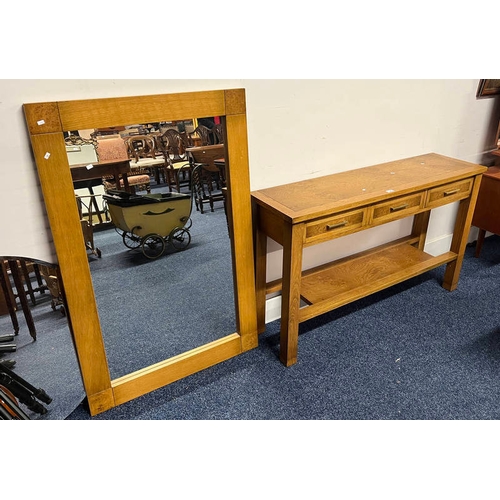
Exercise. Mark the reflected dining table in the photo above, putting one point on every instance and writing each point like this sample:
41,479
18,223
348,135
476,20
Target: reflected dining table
87,172
89,175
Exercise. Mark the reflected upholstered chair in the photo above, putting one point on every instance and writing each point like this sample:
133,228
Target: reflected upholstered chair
114,148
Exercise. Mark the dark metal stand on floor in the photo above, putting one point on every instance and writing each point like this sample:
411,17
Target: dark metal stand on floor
26,393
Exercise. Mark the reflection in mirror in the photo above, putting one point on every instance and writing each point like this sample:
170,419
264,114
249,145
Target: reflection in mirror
38,366
152,205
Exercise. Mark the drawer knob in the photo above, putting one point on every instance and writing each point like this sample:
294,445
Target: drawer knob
400,207
453,191
336,226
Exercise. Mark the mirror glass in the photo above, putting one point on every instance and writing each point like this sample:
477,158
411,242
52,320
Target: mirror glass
159,254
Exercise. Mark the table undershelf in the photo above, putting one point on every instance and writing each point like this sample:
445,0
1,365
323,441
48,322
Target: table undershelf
338,283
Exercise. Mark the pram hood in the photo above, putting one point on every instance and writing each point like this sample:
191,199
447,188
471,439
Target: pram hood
124,199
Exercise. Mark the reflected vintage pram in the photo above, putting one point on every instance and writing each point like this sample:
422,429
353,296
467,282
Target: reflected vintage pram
151,221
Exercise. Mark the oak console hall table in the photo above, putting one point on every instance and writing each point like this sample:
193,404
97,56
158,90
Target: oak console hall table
313,211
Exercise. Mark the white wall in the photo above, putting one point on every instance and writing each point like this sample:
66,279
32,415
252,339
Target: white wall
298,129
24,228
301,129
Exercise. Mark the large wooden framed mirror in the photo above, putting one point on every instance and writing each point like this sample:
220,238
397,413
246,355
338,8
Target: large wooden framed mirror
47,123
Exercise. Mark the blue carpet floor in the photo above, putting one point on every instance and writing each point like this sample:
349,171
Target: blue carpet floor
50,362
413,352
151,310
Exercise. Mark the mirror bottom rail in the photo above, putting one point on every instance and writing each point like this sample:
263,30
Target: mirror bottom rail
154,377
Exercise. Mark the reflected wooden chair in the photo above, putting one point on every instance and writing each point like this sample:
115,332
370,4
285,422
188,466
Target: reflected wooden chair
52,278
173,148
173,143
207,187
203,134
140,146
218,134
209,179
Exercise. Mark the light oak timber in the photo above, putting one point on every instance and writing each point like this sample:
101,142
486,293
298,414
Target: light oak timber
155,376
420,226
116,111
292,266
460,236
340,284
62,211
240,219
46,123
317,210
275,285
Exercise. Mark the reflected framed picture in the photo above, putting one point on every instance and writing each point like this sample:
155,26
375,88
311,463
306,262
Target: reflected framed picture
488,88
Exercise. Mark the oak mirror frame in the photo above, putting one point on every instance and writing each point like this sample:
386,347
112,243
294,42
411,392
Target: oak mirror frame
46,123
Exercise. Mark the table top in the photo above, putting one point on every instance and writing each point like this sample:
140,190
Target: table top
147,162
493,172
315,197
104,163
87,171
208,148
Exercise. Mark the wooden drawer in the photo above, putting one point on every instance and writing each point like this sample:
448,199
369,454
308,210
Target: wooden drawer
397,208
449,193
334,226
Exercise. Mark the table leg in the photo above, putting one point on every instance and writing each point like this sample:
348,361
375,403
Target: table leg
6,289
119,173
294,236
480,240
420,226
14,269
93,201
460,237
260,278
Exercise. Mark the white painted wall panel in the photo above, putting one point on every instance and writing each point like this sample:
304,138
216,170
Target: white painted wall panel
298,129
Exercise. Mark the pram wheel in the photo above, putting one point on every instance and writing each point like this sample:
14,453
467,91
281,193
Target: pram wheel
130,240
153,246
180,238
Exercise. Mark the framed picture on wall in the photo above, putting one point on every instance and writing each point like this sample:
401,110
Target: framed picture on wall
488,88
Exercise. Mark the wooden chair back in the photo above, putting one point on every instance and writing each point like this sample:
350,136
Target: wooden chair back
203,133
173,144
140,146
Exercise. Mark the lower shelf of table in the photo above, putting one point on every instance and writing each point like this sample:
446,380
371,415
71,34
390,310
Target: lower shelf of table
333,285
